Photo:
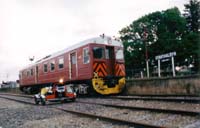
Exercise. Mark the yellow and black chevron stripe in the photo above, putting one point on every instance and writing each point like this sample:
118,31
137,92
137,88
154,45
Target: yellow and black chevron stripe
100,68
119,70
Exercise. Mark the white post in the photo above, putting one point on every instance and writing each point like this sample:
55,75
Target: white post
141,73
158,67
147,62
173,69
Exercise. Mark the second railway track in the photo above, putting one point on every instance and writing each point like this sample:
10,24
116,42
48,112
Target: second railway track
157,98
158,110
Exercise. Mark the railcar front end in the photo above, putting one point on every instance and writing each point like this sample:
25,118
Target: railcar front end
108,68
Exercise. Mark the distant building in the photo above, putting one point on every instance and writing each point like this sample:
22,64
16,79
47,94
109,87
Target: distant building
9,84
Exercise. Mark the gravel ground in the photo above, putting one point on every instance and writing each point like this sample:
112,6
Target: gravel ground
17,115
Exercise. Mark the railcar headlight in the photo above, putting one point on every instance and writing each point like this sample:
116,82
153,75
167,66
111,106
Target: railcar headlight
61,81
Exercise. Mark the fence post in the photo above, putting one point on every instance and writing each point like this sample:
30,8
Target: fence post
158,67
173,69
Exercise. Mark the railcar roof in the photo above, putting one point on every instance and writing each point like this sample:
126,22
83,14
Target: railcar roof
97,40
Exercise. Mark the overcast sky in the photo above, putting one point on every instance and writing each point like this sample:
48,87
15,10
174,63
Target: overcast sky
41,27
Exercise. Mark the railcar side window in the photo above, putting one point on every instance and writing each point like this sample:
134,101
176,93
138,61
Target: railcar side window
31,72
28,73
98,52
86,57
60,63
45,67
119,54
52,65
24,73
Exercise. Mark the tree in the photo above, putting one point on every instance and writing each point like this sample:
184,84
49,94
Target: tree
191,39
161,32
192,15
191,49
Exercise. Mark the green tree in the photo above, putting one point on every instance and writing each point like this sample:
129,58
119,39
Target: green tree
192,15
191,38
161,32
191,49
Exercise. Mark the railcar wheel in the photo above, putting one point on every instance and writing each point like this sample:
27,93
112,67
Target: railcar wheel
64,101
36,101
43,102
74,99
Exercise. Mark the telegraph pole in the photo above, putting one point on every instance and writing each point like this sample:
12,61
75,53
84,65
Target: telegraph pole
147,61
144,37
146,51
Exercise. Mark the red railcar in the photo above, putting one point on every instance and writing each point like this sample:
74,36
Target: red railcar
94,65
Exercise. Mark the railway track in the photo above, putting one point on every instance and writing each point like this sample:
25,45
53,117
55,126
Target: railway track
158,110
182,112
164,98
106,118
164,95
156,98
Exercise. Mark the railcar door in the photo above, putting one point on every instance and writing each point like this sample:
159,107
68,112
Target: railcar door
73,65
110,60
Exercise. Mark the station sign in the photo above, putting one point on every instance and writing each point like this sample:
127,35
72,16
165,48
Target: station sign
167,55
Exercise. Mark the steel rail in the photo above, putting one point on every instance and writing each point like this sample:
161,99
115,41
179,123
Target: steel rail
145,98
167,99
19,95
182,112
20,101
164,95
121,121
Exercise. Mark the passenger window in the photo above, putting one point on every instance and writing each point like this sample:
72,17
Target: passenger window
52,65
60,63
45,67
98,52
86,57
28,73
31,72
24,73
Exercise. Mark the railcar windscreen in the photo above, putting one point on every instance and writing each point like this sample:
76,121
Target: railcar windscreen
98,52
119,54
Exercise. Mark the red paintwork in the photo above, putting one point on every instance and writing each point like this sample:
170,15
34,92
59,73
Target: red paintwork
69,95
79,72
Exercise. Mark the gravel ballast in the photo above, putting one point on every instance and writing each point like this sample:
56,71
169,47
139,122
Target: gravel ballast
17,115
162,119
